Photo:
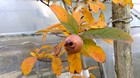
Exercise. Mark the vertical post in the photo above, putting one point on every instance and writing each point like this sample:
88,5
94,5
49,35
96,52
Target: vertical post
122,50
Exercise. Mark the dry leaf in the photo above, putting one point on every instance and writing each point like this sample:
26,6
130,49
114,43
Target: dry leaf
27,65
75,63
57,66
58,48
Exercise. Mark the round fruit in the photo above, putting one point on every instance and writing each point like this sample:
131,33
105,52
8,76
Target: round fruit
73,44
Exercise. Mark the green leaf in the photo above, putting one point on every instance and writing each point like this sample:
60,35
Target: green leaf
65,18
108,33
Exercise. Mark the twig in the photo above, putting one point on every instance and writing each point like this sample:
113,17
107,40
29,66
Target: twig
135,15
135,27
59,35
45,3
51,60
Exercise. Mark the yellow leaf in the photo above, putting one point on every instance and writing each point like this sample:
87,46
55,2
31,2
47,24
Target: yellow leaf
75,63
57,66
94,51
108,40
44,36
101,5
95,7
87,16
101,17
37,50
100,23
76,16
98,54
92,76
69,2
60,12
75,77
46,46
42,55
27,65
34,54
131,4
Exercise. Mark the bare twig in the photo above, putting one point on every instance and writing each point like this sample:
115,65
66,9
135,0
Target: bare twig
135,15
45,3
135,27
51,60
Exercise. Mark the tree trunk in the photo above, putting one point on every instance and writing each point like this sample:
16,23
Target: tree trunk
122,50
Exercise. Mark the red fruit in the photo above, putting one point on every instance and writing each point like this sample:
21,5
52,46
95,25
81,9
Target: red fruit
73,44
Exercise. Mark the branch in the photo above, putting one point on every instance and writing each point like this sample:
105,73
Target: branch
45,3
135,15
51,60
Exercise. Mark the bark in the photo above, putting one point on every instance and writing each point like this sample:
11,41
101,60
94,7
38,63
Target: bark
122,50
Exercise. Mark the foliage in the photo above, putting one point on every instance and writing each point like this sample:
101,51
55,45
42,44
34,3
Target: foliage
82,23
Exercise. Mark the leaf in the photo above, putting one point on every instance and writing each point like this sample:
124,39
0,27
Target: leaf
76,16
76,77
58,48
34,54
42,55
57,66
65,18
44,36
92,76
47,30
100,23
94,7
108,33
69,2
75,63
87,16
27,65
108,40
131,4
101,5
92,50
